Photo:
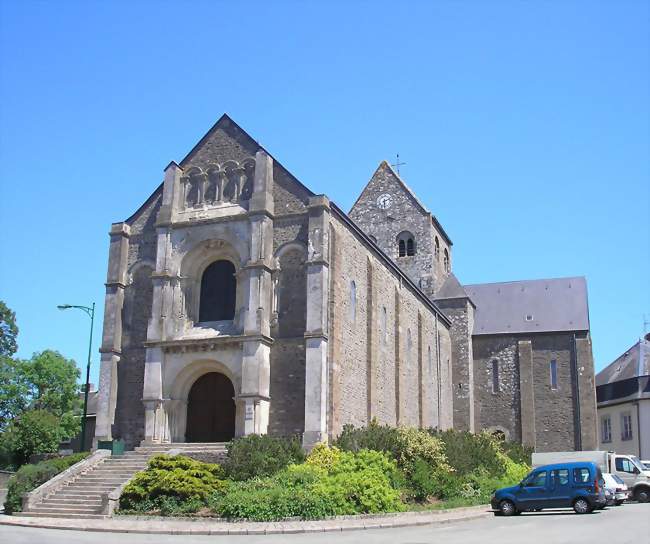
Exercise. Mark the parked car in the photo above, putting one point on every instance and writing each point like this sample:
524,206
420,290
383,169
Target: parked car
628,467
615,488
563,485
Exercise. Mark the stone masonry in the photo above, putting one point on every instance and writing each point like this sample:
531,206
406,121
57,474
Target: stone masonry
328,319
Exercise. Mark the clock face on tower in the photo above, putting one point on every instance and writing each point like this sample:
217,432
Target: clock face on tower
385,201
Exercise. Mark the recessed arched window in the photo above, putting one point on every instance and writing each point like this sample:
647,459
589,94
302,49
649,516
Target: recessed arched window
446,260
218,292
495,376
384,325
406,244
437,249
430,360
353,301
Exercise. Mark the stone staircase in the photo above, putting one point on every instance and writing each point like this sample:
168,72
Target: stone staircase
83,495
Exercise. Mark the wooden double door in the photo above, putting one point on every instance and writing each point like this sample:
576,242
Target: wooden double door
211,409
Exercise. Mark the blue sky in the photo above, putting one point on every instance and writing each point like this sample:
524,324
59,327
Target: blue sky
525,127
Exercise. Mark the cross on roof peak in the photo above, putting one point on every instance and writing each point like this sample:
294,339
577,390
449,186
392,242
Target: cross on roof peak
397,164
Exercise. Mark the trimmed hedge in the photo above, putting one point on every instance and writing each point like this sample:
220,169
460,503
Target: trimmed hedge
29,477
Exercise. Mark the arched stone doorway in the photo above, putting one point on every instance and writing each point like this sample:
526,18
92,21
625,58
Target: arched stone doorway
211,409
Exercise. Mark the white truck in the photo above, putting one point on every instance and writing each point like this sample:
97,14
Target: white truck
627,467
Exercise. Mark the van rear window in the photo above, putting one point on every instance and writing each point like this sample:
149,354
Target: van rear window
581,475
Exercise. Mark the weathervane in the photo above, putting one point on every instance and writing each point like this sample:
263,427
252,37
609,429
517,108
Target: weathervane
398,164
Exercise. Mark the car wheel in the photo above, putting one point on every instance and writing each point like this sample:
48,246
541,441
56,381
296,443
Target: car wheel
643,495
582,506
507,508
618,503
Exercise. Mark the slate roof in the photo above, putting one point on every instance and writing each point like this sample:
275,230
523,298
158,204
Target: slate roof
550,305
451,288
634,363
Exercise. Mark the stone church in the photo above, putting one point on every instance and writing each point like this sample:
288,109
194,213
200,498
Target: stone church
238,302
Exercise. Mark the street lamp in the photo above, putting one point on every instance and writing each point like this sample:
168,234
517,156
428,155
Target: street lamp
91,313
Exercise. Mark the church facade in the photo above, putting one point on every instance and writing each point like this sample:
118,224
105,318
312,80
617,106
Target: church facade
238,302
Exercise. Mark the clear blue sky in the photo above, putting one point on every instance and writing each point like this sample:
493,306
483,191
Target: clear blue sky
525,127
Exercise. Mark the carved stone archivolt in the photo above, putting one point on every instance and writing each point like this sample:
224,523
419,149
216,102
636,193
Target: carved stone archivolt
230,182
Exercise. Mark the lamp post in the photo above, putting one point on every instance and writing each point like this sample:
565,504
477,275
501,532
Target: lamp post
91,313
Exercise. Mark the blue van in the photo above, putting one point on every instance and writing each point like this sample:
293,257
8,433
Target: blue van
564,485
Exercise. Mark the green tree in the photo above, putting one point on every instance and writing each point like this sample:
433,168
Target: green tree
52,382
14,390
37,431
47,381
8,331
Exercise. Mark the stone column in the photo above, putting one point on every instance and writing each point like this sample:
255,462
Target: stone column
316,334
460,311
372,349
587,392
111,347
527,393
256,345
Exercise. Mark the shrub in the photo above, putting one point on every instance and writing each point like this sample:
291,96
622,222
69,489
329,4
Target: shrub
329,483
419,455
269,500
373,437
416,445
324,457
518,452
467,452
29,477
172,484
258,456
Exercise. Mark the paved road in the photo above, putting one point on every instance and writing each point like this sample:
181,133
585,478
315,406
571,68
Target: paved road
627,524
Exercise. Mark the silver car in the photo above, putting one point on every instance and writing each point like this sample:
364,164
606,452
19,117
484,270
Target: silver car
615,489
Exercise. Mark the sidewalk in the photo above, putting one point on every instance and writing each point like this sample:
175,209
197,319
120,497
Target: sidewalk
179,526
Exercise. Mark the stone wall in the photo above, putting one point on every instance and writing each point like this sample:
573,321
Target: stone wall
461,314
287,407
129,410
526,406
405,214
380,335
497,410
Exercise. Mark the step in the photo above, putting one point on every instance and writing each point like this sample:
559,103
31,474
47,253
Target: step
96,488
76,509
103,482
84,499
62,515
100,478
56,501
111,474
67,492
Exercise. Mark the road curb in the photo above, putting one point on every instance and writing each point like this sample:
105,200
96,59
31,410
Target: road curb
179,526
